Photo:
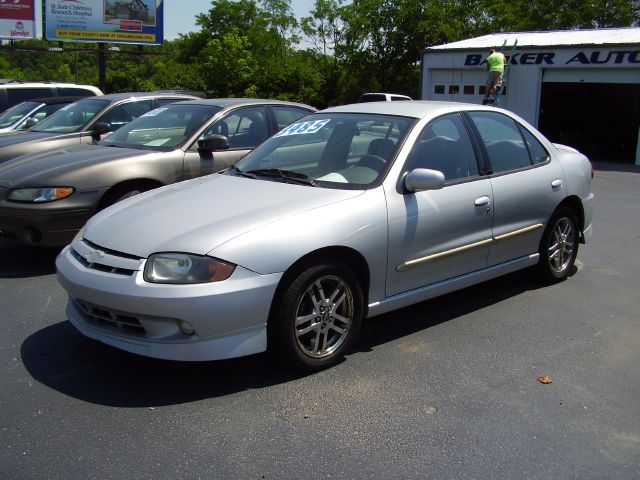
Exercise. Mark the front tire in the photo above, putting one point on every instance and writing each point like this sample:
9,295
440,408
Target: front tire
559,246
316,318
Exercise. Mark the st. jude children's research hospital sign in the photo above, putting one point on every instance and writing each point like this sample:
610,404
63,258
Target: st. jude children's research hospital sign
109,21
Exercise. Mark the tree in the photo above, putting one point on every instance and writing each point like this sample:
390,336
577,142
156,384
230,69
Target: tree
525,15
324,31
230,65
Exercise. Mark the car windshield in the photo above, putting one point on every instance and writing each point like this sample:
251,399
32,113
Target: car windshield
163,128
346,151
71,118
14,114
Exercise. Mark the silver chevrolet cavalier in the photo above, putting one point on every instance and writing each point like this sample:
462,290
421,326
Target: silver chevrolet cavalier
346,214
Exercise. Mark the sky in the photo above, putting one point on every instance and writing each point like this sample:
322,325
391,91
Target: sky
180,14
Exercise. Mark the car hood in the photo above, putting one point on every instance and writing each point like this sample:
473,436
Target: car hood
198,215
58,165
18,143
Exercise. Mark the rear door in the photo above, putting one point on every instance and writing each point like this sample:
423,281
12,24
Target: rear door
527,185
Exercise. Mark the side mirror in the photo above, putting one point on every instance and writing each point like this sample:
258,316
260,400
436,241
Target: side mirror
424,179
101,128
31,122
213,142
98,130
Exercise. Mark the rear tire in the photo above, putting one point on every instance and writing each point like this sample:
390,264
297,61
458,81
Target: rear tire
559,246
317,317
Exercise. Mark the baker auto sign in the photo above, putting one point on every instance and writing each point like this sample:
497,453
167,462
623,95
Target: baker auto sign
17,19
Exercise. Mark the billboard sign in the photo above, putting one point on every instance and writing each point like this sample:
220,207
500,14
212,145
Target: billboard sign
108,21
17,19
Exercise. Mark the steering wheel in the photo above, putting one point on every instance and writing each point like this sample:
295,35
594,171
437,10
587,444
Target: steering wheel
374,162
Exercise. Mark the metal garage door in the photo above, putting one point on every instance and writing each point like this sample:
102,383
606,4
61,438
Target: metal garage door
592,75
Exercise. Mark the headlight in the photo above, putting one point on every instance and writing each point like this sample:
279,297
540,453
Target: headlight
40,195
185,268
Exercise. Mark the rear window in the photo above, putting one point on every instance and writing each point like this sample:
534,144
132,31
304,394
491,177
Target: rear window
373,97
75,91
19,95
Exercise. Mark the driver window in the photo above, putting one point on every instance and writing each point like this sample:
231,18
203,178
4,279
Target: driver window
245,127
444,145
124,113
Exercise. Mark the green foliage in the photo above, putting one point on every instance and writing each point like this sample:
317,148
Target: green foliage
524,15
257,48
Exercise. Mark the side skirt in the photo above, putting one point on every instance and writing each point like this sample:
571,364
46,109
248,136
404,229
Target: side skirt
447,286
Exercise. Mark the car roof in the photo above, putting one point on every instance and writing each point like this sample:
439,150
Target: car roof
112,97
56,100
228,102
409,108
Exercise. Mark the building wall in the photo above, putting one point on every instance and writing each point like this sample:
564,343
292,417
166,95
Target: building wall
451,69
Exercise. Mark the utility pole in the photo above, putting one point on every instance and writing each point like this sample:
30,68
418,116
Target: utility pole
102,67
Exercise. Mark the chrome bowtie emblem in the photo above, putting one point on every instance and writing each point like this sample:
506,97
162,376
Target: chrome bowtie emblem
95,255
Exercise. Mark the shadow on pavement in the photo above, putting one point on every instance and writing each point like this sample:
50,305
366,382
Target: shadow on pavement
21,261
64,360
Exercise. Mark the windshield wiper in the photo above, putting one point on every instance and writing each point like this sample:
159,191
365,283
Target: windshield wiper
287,176
241,173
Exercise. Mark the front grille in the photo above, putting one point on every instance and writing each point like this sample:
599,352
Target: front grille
115,253
108,318
100,266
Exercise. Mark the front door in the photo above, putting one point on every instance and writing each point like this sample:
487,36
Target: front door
245,127
440,234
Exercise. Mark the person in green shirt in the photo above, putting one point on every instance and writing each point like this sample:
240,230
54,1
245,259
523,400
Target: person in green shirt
495,64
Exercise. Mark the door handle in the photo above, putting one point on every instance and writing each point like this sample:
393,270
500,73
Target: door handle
482,201
556,184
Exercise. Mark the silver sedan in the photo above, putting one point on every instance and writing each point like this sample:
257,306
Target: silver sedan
346,214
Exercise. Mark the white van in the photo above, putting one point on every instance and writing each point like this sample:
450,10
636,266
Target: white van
13,92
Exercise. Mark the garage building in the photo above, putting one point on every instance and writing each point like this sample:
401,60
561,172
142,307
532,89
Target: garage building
579,87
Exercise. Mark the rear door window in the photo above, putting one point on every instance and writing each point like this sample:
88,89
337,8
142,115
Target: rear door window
537,152
502,140
286,115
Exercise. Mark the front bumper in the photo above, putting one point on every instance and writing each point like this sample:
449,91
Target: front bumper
122,310
51,224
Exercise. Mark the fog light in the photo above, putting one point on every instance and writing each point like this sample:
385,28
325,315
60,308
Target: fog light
186,328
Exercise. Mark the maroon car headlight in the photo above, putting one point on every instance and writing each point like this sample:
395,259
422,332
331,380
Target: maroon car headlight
40,195
184,268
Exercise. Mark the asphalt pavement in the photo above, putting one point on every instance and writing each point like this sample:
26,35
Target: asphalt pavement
446,389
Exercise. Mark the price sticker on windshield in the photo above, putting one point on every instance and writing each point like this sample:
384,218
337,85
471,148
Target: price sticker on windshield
155,112
303,128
